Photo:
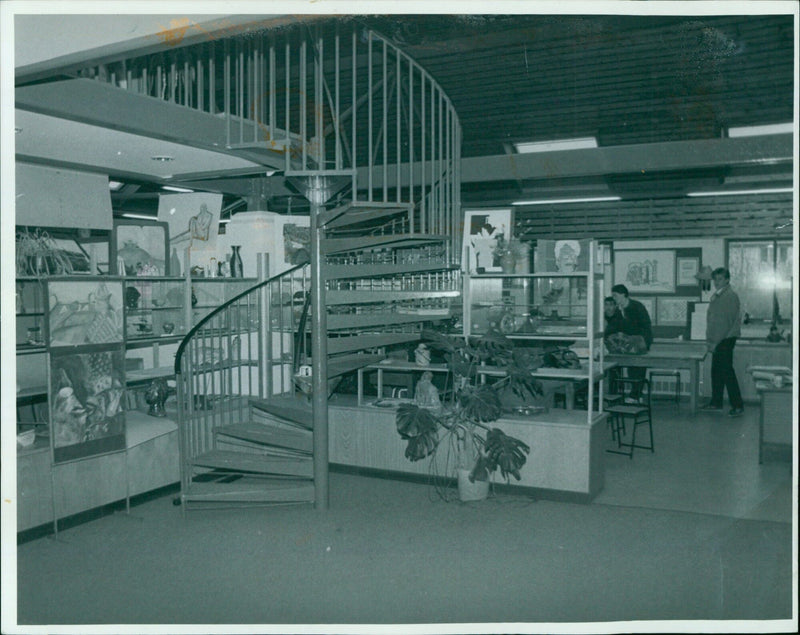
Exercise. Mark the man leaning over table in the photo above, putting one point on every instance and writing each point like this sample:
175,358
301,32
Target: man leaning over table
723,326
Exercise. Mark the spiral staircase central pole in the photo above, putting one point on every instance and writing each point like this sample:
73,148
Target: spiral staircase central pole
319,349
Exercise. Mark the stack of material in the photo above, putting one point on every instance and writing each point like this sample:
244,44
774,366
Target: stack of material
776,375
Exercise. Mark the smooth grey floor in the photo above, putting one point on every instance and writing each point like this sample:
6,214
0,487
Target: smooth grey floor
696,531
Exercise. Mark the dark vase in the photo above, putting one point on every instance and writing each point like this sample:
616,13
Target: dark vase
236,262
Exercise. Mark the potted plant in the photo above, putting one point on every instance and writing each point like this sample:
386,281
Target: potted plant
465,418
509,252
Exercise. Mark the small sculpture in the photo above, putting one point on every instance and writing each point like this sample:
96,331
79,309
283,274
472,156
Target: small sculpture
425,394
155,396
132,296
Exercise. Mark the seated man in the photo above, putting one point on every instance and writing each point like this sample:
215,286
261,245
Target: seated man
636,325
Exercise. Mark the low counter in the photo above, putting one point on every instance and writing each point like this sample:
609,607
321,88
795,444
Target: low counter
566,461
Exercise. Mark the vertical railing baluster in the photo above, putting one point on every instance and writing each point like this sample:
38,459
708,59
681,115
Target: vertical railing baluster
240,88
287,135
272,84
354,111
227,93
398,154
212,100
303,114
337,122
422,194
385,127
411,134
369,115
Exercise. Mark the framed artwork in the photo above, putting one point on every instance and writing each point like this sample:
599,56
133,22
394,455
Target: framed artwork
193,223
84,311
672,311
481,230
561,256
86,402
687,269
140,247
296,244
651,271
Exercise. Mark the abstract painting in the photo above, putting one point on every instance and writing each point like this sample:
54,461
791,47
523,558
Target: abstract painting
86,397
84,311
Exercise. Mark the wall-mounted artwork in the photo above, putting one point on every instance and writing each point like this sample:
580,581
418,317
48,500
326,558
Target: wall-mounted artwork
687,270
481,231
84,311
296,244
193,221
645,271
672,311
563,256
140,248
86,413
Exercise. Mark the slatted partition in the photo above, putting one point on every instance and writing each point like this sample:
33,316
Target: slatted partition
652,219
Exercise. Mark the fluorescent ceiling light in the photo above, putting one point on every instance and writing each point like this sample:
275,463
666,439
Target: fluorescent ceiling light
593,199
754,131
768,190
139,216
114,185
173,188
555,144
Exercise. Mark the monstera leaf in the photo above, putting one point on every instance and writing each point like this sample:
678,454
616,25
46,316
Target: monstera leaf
493,345
505,452
480,404
419,427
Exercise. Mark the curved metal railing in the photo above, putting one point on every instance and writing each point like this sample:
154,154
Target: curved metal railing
324,97
243,348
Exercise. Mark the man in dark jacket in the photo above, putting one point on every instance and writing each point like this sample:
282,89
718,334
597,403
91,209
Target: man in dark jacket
635,323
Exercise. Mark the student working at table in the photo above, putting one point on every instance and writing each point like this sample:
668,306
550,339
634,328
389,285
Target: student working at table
636,325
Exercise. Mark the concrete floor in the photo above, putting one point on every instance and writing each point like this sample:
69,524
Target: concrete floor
697,531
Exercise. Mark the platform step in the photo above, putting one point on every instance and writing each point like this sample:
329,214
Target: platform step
269,434
360,213
289,411
250,491
347,363
330,246
368,340
256,463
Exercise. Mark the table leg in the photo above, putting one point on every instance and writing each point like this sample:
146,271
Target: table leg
360,386
569,395
380,383
694,385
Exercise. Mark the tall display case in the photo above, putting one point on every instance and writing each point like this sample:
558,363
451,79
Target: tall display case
553,307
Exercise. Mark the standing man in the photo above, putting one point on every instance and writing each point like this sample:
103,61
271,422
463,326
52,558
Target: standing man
637,325
723,326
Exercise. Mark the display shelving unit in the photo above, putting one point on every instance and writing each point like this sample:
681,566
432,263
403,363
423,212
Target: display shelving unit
161,315
545,306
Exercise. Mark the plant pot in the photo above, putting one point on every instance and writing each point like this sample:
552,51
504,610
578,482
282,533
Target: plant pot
469,491
508,263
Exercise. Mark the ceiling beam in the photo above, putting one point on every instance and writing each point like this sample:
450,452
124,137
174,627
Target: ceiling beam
630,159
645,158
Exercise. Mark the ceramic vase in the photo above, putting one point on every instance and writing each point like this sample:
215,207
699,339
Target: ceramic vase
236,262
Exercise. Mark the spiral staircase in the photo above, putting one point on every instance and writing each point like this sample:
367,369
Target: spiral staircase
344,118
